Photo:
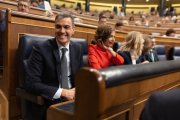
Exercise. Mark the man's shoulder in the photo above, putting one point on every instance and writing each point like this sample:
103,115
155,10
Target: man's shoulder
75,44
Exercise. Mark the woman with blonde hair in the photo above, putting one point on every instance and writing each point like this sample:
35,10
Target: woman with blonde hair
101,54
132,48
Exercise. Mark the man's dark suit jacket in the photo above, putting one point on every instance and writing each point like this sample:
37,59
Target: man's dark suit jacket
43,74
162,106
148,57
127,57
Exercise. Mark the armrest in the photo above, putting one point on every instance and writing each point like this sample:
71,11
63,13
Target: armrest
30,97
64,111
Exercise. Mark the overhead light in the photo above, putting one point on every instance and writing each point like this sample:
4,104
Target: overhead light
128,0
167,0
147,0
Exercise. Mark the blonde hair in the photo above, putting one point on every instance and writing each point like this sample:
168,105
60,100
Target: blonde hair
134,43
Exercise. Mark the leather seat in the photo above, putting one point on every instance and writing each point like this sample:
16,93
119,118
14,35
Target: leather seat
176,53
164,105
161,52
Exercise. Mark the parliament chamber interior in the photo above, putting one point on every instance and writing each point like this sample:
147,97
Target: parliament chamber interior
142,87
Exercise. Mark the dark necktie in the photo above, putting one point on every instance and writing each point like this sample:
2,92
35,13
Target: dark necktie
64,69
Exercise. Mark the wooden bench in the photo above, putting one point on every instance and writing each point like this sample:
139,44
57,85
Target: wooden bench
3,106
116,93
148,30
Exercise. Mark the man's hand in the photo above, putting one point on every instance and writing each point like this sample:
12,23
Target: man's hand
145,62
69,94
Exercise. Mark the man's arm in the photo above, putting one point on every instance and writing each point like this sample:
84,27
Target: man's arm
34,75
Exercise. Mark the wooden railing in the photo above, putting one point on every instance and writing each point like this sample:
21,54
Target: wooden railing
116,93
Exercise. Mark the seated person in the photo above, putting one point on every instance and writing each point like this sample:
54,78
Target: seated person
34,3
131,18
132,48
125,23
118,25
52,66
23,6
148,54
101,54
170,33
137,23
102,19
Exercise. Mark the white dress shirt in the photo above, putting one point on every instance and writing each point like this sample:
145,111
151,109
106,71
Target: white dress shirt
59,91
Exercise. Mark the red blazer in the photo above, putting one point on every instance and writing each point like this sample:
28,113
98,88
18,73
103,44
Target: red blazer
100,58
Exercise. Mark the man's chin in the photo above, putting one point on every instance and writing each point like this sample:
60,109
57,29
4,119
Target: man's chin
63,41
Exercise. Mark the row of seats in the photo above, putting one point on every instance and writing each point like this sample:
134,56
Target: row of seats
26,44
173,53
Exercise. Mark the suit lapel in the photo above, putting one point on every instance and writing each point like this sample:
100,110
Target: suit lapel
128,56
72,56
57,58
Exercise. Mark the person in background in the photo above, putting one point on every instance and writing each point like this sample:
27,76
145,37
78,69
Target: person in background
41,4
23,6
52,66
101,54
132,48
131,18
34,3
170,33
125,23
102,19
148,53
118,25
137,23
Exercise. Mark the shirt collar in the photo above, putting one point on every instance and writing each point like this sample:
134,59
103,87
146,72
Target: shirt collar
60,46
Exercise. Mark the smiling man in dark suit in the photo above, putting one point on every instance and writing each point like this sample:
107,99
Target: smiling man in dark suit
53,64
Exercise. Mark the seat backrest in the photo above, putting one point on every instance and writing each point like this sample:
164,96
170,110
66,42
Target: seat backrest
116,46
26,43
161,52
84,45
167,106
176,53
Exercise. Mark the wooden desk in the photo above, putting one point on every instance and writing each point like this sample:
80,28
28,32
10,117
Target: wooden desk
117,93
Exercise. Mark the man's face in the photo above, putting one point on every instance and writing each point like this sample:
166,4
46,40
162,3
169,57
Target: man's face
64,29
172,35
102,21
23,6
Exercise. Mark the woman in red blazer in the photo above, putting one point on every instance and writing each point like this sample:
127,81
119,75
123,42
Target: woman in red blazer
101,55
